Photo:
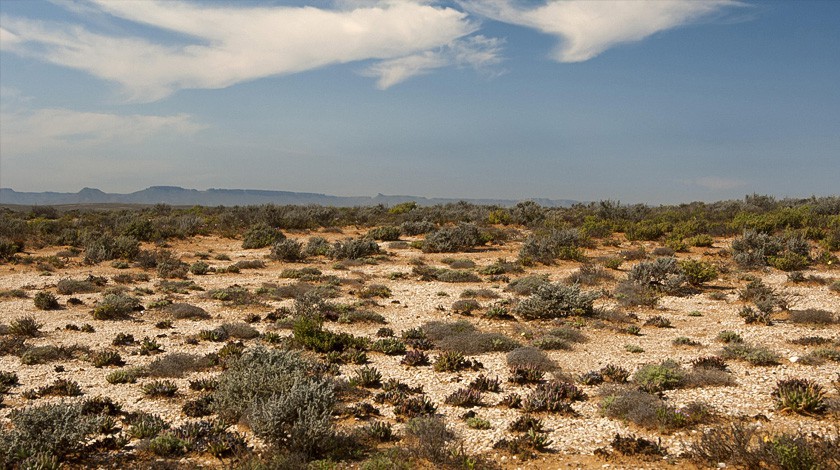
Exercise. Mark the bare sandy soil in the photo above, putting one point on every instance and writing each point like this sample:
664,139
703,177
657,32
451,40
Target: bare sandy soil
412,302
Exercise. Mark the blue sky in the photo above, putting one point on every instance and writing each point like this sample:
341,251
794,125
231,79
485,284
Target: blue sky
656,102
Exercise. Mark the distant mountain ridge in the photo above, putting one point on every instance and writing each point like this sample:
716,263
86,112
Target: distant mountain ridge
177,196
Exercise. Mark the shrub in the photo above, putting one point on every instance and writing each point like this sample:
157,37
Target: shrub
106,358
115,306
463,337
167,445
160,388
629,293
729,337
58,430
751,316
240,330
375,290
698,272
452,239
200,268
429,438
451,361
124,376
813,316
547,246
384,233
287,250
281,396
176,365
755,355
146,425
666,375
530,357
169,267
261,236
649,411
554,396
466,397
368,377
465,306
415,358
614,374
556,300
801,396
527,285
589,275
661,275
186,311
752,249
46,301
354,249
739,444
658,321
25,326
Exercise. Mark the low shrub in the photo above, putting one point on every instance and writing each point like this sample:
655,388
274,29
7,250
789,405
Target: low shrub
115,307
555,397
698,272
801,396
282,397
46,301
261,236
555,301
25,326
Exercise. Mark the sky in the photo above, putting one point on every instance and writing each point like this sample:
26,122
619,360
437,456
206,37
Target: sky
657,102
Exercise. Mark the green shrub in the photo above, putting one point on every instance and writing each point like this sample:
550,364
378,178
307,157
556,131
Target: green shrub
25,326
555,397
354,249
666,375
755,355
167,445
59,430
555,301
287,250
698,272
115,306
452,239
662,275
200,268
801,396
281,396
384,233
46,301
547,246
261,236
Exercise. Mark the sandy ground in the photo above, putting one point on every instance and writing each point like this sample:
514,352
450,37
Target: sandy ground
414,302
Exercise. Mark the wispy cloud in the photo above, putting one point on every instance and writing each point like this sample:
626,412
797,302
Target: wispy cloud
478,52
36,131
225,45
586,28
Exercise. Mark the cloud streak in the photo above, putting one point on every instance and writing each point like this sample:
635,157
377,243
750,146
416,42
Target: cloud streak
586,28
478,52
26,132
225,45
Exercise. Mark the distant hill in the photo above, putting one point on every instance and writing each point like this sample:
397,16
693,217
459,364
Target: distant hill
177,196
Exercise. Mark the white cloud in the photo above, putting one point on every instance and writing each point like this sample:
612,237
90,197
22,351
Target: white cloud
27,132
587,28
225,45
478,52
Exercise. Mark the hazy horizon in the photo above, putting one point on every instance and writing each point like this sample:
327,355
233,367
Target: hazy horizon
654,102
